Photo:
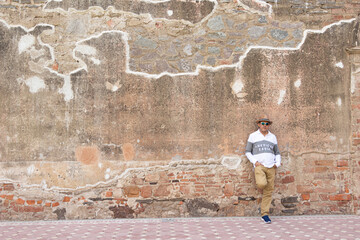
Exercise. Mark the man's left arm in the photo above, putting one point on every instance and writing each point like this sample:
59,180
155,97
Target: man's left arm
277,156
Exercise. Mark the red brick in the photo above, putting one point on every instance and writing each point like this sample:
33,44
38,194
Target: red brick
321,169
305,196
288,179
66,199
340,197
20,201
33,208
47,204
9,197
146,191
356,141
324,162
131,191
342,163
304,189
229,190
8,187
30,202
39,202
55,204
108,194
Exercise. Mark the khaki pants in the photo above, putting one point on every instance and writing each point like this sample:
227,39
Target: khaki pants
265,178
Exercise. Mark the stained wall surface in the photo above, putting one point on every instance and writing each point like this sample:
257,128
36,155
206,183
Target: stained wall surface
123,109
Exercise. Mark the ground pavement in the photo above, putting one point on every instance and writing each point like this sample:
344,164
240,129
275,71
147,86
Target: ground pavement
339,227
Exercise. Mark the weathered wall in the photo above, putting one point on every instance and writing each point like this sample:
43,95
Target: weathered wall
118,109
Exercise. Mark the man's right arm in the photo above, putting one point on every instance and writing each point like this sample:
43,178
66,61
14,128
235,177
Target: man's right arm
248,152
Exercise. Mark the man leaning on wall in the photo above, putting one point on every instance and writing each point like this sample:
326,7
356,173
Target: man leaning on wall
263,152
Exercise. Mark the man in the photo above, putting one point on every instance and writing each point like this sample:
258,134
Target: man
263,152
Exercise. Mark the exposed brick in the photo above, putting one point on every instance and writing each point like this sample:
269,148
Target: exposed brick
146,191
324,197
33,208
30,202
48,204
321,169
55,204
131,191
8,187
342,163
108,194
20,201
340,197
324,162
356,141
229,190
304,189
39,202
9,197
288,179
66,199
305,196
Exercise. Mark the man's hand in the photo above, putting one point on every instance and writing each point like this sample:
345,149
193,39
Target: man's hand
257,164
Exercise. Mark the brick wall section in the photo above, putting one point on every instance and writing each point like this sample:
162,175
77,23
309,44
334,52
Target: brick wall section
324,187
354,57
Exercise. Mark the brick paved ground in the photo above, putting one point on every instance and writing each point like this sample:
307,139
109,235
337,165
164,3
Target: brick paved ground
296,227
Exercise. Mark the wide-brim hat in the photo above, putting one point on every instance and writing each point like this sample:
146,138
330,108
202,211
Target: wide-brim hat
264,119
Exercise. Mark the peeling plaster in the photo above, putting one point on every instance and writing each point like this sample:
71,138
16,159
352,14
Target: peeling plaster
281,97
67,89
339,102
339,65
297,83
26,42
35,84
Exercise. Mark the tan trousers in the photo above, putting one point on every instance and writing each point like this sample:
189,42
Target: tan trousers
265,178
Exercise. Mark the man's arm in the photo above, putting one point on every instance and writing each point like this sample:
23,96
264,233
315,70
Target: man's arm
277,156
248,153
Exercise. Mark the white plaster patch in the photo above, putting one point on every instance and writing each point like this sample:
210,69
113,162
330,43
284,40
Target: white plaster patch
114,88
297,83
282,95
35,84
107,176
95,61
138,141
67,89
86,50
339,102
100,165
231,162
339,65
237,86
108,170
30,169
170,12
26,42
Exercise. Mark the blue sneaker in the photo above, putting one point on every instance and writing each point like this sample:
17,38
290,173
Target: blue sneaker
266,219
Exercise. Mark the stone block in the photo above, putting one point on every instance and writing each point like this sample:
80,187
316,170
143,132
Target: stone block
131,191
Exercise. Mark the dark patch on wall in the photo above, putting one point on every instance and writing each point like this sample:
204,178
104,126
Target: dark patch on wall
122,211
200,207
60,212
192,11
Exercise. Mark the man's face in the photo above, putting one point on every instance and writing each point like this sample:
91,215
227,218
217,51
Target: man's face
264,126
